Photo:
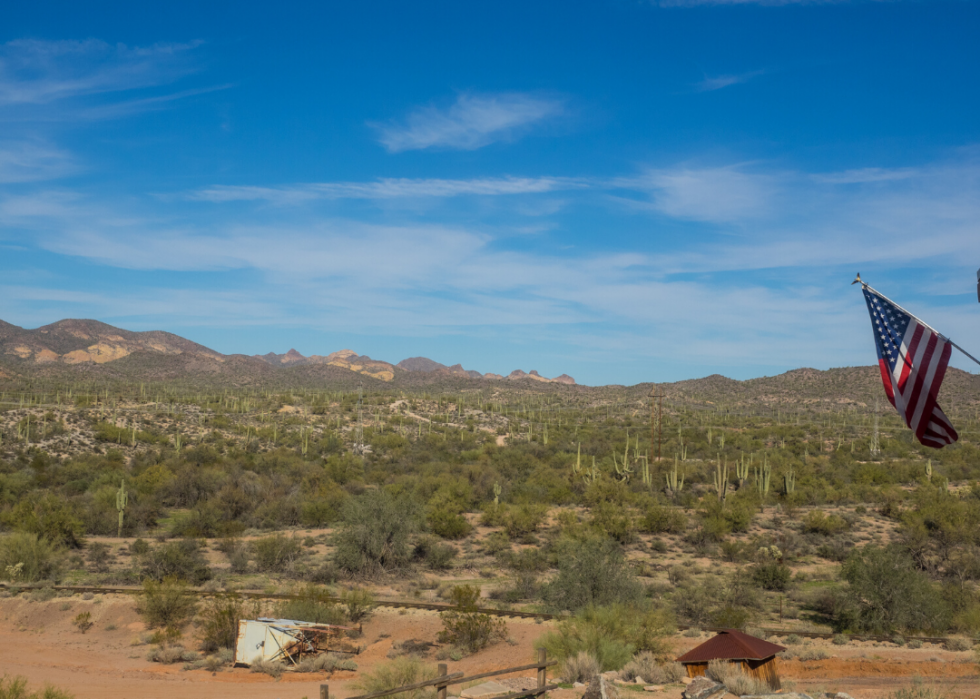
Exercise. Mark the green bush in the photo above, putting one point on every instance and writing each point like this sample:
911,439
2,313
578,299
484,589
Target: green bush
591,572
178,559
375,533
886,593
16,688
314,605
400,672
771,575
524,520
166,604
448,524
358,603
435,555
816,522
465,626
50,517
27,557
219,622
610,634
660,519
274,554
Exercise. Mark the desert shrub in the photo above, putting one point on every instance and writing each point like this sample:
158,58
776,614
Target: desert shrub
448,524
212,663
399,672
618,523
139,547
886,593
917,690
771,575
591,572
27,557
465,626
171,654
99,556
651,669
609,634
735,680
524,520
816,522
957,644
219,622
273,554
813,654
16,688
579,668
839,639
327,662
915,644
358,603
166,604
49,517
494,515
178,559
314,605
267,667
660,519
435,555
495,543
83,621
375,533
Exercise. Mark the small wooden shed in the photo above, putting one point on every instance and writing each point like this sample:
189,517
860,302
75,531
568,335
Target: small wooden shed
756,656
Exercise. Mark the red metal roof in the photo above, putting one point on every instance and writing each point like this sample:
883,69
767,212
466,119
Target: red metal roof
731,645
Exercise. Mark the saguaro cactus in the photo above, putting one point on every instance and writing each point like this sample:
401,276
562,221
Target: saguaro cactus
789,483
763,476
122,499
929,470
674,486
496,494
741,471
721,480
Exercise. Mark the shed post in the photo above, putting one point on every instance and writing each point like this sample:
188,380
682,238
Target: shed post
542,667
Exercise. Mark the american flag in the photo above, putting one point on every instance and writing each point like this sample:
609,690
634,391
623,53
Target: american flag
913,358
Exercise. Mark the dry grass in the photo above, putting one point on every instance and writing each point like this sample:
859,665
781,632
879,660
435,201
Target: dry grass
580,668
736,681
647,667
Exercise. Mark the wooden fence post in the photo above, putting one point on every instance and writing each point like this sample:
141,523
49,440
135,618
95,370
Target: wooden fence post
441,688
542,667
324,691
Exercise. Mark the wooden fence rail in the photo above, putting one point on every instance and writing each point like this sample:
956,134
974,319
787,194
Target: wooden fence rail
444,680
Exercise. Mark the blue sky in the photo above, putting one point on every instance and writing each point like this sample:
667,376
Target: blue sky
621,191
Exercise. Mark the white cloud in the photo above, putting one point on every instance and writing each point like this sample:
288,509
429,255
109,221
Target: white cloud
30,161
389,188
472,122
722,81
718,194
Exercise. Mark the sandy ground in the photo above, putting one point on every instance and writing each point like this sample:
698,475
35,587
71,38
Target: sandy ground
40,642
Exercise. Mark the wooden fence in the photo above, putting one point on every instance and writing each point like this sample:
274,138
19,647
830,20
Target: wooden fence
444,680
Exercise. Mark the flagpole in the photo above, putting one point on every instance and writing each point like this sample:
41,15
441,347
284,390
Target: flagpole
874,291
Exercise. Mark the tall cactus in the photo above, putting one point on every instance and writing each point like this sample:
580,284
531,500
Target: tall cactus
122,499
789,483
496,494
674,486
721,480
577,466
763,476
929,470
741,471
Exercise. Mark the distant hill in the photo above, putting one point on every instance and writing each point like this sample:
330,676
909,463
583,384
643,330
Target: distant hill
89,349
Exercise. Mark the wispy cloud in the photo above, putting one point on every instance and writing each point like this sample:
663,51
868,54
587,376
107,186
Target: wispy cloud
30,161
34,72
389,188
722,81
717,194
472,122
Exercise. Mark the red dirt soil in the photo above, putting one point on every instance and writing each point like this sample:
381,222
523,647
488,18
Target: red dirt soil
40,642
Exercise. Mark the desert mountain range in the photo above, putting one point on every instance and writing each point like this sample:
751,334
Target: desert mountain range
88,343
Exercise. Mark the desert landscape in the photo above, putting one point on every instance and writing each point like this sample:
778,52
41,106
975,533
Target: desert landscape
145,519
